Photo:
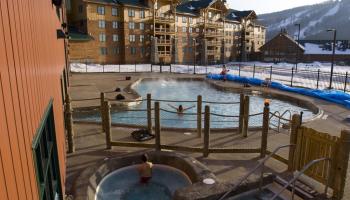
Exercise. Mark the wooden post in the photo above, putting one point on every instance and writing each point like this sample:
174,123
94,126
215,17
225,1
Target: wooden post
149,113
341,162
254,71
345,81
102,99
241,113
199,116
246,116
206,131
295,124
107,123
291,79
69,125
265,129
318,78
157,124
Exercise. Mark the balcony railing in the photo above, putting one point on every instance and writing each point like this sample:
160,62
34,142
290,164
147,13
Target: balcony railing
164,19
164,42
213,52
214,43
214,33
165,30
164,53
210,23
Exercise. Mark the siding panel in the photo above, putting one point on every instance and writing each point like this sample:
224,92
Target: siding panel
31,63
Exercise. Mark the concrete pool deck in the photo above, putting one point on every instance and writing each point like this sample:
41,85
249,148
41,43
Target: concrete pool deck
90,143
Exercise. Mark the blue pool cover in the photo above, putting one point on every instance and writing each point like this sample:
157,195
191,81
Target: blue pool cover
334,96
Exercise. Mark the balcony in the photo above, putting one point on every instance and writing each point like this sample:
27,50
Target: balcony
164,53
165,30
211,24
164,19
163,42
214,33
213,52
214,43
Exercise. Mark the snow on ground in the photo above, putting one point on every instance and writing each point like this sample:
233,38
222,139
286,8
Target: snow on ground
316,49
282,72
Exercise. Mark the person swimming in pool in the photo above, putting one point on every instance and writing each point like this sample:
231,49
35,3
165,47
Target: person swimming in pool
180,109
145,169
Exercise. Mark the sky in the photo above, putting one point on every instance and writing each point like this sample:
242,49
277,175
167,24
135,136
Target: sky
268,6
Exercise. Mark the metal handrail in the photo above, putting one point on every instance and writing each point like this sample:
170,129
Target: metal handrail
306,167
281,117
261,164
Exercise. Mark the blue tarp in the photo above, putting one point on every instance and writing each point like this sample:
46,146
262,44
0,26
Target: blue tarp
334,96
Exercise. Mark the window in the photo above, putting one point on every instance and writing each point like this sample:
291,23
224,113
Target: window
103,51
184,49
142,38
184,19
101,23
190,29
132,38
184,29
114,11
80,8
210,14
102,37
115,38
46,158
133,50
142,50
115,24
142,26
142,14
131,25
101,10
115,50
190,20
197,30
131,13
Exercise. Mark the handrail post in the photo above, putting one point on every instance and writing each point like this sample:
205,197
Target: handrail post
241,113
341,162
157,125
69,125
291,80
102,99
149,113
271,73
206,131
254,71
246,116
345,81
265,129
318,78
295,124
199,116
107,123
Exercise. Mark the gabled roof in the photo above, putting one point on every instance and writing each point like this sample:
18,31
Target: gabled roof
238,15
285,35
193,7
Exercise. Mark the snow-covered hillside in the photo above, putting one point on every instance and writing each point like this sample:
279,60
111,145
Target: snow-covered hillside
314,20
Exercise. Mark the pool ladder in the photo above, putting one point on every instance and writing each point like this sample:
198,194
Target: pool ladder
290,183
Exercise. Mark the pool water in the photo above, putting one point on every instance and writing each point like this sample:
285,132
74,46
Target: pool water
171,89
123,184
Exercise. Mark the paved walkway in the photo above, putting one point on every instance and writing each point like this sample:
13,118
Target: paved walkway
90,143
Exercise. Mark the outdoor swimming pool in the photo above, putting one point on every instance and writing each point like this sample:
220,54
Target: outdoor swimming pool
188,90
123,184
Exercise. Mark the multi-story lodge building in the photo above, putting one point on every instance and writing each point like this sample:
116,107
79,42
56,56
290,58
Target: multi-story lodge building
161,31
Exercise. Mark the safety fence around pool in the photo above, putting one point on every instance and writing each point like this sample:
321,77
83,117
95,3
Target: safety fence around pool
195,130
307,78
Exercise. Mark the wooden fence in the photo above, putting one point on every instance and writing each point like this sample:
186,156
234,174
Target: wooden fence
311,145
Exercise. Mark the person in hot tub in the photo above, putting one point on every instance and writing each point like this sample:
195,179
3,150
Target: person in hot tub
145,169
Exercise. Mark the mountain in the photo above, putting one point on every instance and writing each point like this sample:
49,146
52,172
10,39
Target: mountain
314,21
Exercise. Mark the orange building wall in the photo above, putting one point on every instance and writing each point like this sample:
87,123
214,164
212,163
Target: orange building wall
31,62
